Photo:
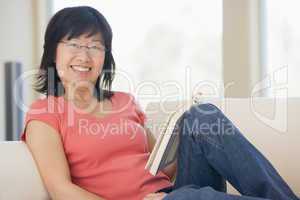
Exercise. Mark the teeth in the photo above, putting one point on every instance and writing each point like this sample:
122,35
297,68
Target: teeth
80,68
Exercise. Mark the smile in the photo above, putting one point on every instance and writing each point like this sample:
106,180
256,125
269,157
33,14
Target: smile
81,68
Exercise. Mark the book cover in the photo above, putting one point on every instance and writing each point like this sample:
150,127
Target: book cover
165,148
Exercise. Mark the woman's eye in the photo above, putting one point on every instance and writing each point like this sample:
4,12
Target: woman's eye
94,47
74,45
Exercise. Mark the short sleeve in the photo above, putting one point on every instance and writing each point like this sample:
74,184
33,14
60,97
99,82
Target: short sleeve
139,111
40,111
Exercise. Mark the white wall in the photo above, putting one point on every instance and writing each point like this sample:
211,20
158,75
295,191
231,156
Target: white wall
16,39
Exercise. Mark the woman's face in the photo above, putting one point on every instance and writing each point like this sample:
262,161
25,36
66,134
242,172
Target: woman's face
79,61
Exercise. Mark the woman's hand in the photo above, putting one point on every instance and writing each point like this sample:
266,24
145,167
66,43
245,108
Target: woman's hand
155,196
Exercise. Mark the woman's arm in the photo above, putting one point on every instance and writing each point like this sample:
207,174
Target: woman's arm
169,170
46,147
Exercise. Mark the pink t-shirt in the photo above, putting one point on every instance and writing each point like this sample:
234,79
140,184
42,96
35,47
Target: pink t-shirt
106,155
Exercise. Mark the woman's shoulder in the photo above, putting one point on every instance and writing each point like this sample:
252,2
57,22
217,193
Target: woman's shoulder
123,97
49,104
127,100
46,110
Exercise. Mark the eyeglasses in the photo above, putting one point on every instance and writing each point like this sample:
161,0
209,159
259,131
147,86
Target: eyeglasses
94,50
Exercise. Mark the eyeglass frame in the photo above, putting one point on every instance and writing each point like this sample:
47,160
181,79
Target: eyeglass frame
78,47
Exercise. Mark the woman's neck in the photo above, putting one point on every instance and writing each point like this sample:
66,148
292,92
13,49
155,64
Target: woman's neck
81,98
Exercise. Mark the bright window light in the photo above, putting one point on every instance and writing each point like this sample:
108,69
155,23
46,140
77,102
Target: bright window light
283,45
174,45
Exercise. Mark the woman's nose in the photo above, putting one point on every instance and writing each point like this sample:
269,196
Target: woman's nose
83,55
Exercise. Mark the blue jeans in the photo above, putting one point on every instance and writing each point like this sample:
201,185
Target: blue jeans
212,150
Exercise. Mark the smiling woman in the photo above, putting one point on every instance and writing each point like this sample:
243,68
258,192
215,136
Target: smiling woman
77,62
75,160
80,159
77,48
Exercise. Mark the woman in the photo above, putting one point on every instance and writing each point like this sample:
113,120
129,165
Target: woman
90,143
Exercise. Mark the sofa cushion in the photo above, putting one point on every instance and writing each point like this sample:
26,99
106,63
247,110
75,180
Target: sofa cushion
20,179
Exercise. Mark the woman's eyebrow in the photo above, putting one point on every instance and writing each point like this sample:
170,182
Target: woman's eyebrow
97,40
93,40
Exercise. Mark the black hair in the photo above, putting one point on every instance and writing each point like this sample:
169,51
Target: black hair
73,22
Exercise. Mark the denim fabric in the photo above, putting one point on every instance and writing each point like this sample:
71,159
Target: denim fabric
212,150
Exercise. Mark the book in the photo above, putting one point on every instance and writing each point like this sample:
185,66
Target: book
165,149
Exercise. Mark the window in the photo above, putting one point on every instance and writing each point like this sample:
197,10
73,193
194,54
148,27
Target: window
283,44
167,48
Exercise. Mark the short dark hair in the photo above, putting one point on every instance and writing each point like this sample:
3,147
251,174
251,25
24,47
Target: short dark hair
73,22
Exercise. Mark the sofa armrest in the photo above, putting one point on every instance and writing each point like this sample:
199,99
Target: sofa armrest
20,179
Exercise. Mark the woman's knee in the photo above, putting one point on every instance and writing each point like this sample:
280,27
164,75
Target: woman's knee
202,117
206,121
204,109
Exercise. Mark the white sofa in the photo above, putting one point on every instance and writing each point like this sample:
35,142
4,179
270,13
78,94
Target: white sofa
272,125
